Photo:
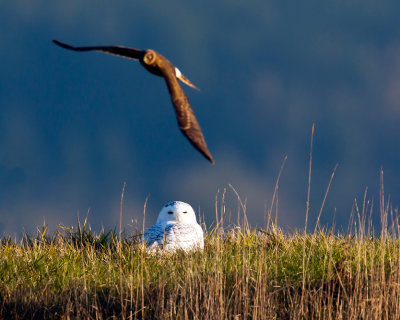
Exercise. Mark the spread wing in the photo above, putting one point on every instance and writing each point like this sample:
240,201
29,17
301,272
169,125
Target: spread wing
184,113
126,52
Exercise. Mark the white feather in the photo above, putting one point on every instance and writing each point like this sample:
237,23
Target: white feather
176,228
178,73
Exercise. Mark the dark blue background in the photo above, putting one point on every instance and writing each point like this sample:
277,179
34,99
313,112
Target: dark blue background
75,126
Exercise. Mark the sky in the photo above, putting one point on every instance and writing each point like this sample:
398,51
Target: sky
74,127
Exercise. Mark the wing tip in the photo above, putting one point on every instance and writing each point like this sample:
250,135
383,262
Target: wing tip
63,45
209,157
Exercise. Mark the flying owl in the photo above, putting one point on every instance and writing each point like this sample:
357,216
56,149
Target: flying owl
158,65
176,228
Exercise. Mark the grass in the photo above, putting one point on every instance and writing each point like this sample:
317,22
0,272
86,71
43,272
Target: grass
241,274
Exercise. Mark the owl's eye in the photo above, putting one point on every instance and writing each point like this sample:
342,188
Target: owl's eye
170,212
184,211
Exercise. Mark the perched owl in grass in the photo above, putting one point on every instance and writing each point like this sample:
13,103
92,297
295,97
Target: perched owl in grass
176,228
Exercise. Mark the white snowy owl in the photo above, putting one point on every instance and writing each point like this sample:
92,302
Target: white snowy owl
176,228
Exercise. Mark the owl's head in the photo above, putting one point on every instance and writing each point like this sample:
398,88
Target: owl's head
177,211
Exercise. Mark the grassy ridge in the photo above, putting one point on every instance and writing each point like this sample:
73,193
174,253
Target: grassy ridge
240,274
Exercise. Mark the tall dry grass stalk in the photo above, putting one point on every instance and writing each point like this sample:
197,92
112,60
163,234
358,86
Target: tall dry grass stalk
241,274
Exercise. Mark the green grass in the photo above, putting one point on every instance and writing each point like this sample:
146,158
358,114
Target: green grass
242,273
260,274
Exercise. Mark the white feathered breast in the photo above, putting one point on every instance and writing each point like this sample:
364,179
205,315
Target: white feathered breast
176,229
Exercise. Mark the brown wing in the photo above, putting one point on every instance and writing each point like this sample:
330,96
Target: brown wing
130,53
184,113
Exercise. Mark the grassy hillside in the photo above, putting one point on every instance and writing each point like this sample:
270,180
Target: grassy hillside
259,274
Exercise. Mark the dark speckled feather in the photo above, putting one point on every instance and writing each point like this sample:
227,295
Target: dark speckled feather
174,236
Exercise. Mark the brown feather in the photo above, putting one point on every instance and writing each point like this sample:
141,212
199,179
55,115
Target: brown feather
184,113
162,67
121,51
